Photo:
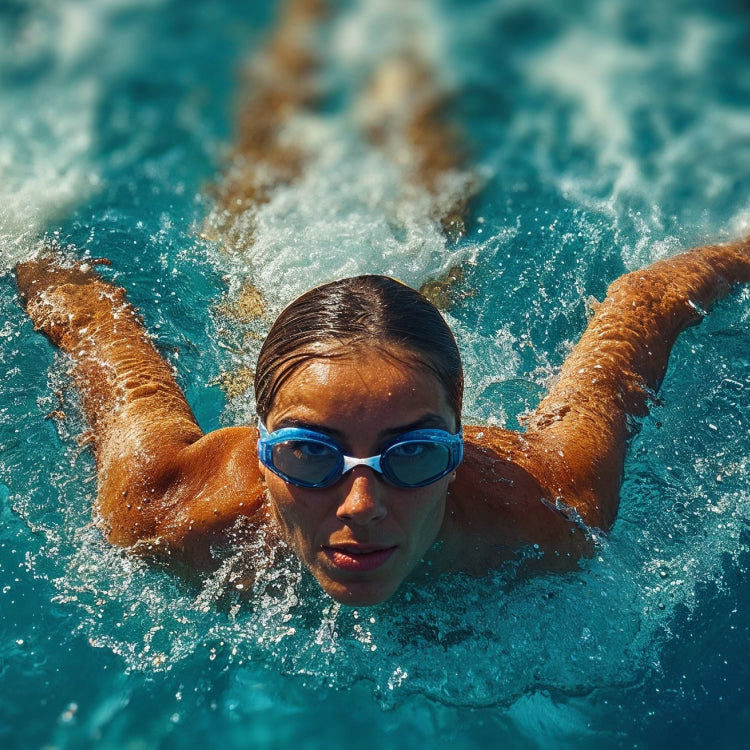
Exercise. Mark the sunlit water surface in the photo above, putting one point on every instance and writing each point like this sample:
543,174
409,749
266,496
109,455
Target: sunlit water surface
606,135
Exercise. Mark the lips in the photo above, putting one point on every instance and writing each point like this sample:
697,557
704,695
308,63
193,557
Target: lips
360,558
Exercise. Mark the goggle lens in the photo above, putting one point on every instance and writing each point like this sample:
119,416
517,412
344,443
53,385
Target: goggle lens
414,463
307,461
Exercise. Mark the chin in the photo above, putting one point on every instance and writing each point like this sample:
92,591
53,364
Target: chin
359,593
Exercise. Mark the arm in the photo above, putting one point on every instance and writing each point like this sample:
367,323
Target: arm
161,480
577,436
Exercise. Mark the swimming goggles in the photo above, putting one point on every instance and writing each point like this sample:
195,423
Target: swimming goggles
307,458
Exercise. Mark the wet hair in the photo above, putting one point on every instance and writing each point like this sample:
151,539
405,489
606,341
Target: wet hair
371,310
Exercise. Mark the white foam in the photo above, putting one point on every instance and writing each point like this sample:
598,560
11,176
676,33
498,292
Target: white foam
631,147
45,165
581,66
373,30
349,213
66,56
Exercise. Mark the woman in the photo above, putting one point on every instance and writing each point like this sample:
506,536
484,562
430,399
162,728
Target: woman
366,368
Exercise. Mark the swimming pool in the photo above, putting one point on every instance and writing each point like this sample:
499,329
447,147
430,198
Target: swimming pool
605,136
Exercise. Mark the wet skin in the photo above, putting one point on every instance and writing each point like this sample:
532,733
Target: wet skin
167,488
362,536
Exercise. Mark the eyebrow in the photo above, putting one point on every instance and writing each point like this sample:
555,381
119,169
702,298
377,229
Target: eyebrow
428,421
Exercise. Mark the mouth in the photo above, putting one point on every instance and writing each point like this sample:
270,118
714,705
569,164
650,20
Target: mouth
358,558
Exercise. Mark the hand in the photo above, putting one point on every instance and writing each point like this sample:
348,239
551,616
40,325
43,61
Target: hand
35,277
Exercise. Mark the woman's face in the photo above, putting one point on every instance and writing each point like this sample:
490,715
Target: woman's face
362,536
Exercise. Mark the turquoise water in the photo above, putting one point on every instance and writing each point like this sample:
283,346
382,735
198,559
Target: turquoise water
606,135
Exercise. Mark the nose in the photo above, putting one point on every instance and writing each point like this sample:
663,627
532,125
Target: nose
363,501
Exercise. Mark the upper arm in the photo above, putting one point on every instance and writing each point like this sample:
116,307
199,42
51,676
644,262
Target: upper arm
503,509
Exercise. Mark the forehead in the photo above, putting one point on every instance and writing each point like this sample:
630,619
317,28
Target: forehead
362,384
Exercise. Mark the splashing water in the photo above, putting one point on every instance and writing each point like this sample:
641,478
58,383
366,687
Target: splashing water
606,136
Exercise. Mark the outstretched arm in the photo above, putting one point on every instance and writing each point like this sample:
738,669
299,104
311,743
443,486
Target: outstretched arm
578,434
161,480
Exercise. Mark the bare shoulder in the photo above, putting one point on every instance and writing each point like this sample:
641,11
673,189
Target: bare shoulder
183,499
502,506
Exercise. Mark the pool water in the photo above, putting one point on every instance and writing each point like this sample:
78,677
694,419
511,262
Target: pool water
605,136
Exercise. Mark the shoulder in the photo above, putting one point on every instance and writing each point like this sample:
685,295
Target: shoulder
501,508
188,497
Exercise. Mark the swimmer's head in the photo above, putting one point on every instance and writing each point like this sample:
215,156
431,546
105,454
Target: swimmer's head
359,362
361,312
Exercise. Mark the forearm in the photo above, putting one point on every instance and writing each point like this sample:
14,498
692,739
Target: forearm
584,422
623,354
126,387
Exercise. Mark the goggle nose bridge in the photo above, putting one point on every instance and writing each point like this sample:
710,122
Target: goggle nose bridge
373,462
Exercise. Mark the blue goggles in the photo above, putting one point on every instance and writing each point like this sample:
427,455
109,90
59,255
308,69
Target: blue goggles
313,459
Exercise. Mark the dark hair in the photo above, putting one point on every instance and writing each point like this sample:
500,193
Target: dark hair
371,309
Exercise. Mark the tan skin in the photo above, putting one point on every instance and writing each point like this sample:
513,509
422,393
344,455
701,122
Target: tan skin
166,487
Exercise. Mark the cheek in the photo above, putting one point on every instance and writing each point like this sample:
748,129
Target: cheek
282,503
425,514
298,517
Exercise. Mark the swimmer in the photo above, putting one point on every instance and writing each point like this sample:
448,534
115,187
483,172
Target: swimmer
360,462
